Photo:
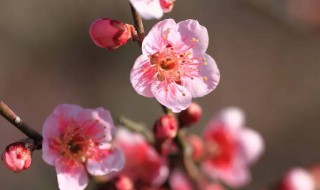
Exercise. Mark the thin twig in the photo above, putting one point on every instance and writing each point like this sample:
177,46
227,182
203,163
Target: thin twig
136,127
138,24
7,113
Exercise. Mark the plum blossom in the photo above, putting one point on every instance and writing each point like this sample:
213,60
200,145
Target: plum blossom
77,141
297,179
231,148
144,166
173,66
152,9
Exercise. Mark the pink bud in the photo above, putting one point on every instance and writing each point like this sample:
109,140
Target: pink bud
110,34
123,183
165,128
17,157
191,115
166,5
197,147
297,179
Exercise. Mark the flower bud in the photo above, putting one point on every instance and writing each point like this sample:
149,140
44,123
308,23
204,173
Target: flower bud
165,128
166,5
297,179
191,115
110,34
197,147
123,183
17,157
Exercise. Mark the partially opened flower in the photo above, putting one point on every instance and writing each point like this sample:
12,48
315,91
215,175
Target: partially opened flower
77,141
173,66
231,148
152,9
144,166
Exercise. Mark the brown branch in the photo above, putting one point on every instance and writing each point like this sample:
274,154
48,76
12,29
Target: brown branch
16,121
138,24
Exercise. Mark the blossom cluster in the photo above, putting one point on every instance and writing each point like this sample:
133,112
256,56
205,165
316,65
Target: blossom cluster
174,67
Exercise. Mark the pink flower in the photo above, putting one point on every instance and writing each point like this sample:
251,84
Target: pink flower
191,115
17,157
232,148
173,66
297,179
152,9
77,141
143,165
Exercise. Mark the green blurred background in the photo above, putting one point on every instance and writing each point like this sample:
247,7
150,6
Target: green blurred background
268,52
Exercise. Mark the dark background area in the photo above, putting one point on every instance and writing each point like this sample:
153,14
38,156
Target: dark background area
268,53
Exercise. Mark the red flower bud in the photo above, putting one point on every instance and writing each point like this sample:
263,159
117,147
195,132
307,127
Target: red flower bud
197,147
17,157
110,34
191,115
165,128
123,183
166,5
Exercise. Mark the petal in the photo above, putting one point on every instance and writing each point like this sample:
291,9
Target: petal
71,177
155,42
207,81
173,96
178,181
50,127
142,75
251,144
104,125
148,9
113,162
50,130
49,155
236,176
67,110
193,35
232,117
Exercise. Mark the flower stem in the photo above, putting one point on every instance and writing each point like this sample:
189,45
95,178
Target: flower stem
8,114
138,24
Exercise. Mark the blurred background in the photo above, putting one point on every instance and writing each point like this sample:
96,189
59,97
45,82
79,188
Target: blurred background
268,52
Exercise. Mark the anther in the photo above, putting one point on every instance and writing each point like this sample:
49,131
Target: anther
205,78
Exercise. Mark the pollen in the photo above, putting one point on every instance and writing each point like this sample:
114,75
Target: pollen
195,39
205,78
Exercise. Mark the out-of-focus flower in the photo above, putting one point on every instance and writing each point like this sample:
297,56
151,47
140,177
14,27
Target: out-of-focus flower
17,157
152,9
191,115
144,166
166,127
77,141
173,66
179,181
231,148
197,147
306,11
315,173
110,34
297,179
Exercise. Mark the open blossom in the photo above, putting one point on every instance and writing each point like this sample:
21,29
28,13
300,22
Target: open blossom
173,66
152,9
297,179
77,141
144,166
231,148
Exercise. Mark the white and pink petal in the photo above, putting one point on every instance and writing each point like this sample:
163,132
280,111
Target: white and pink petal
172,95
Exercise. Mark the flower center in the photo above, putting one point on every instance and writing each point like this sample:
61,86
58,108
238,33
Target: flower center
222,148
77,143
